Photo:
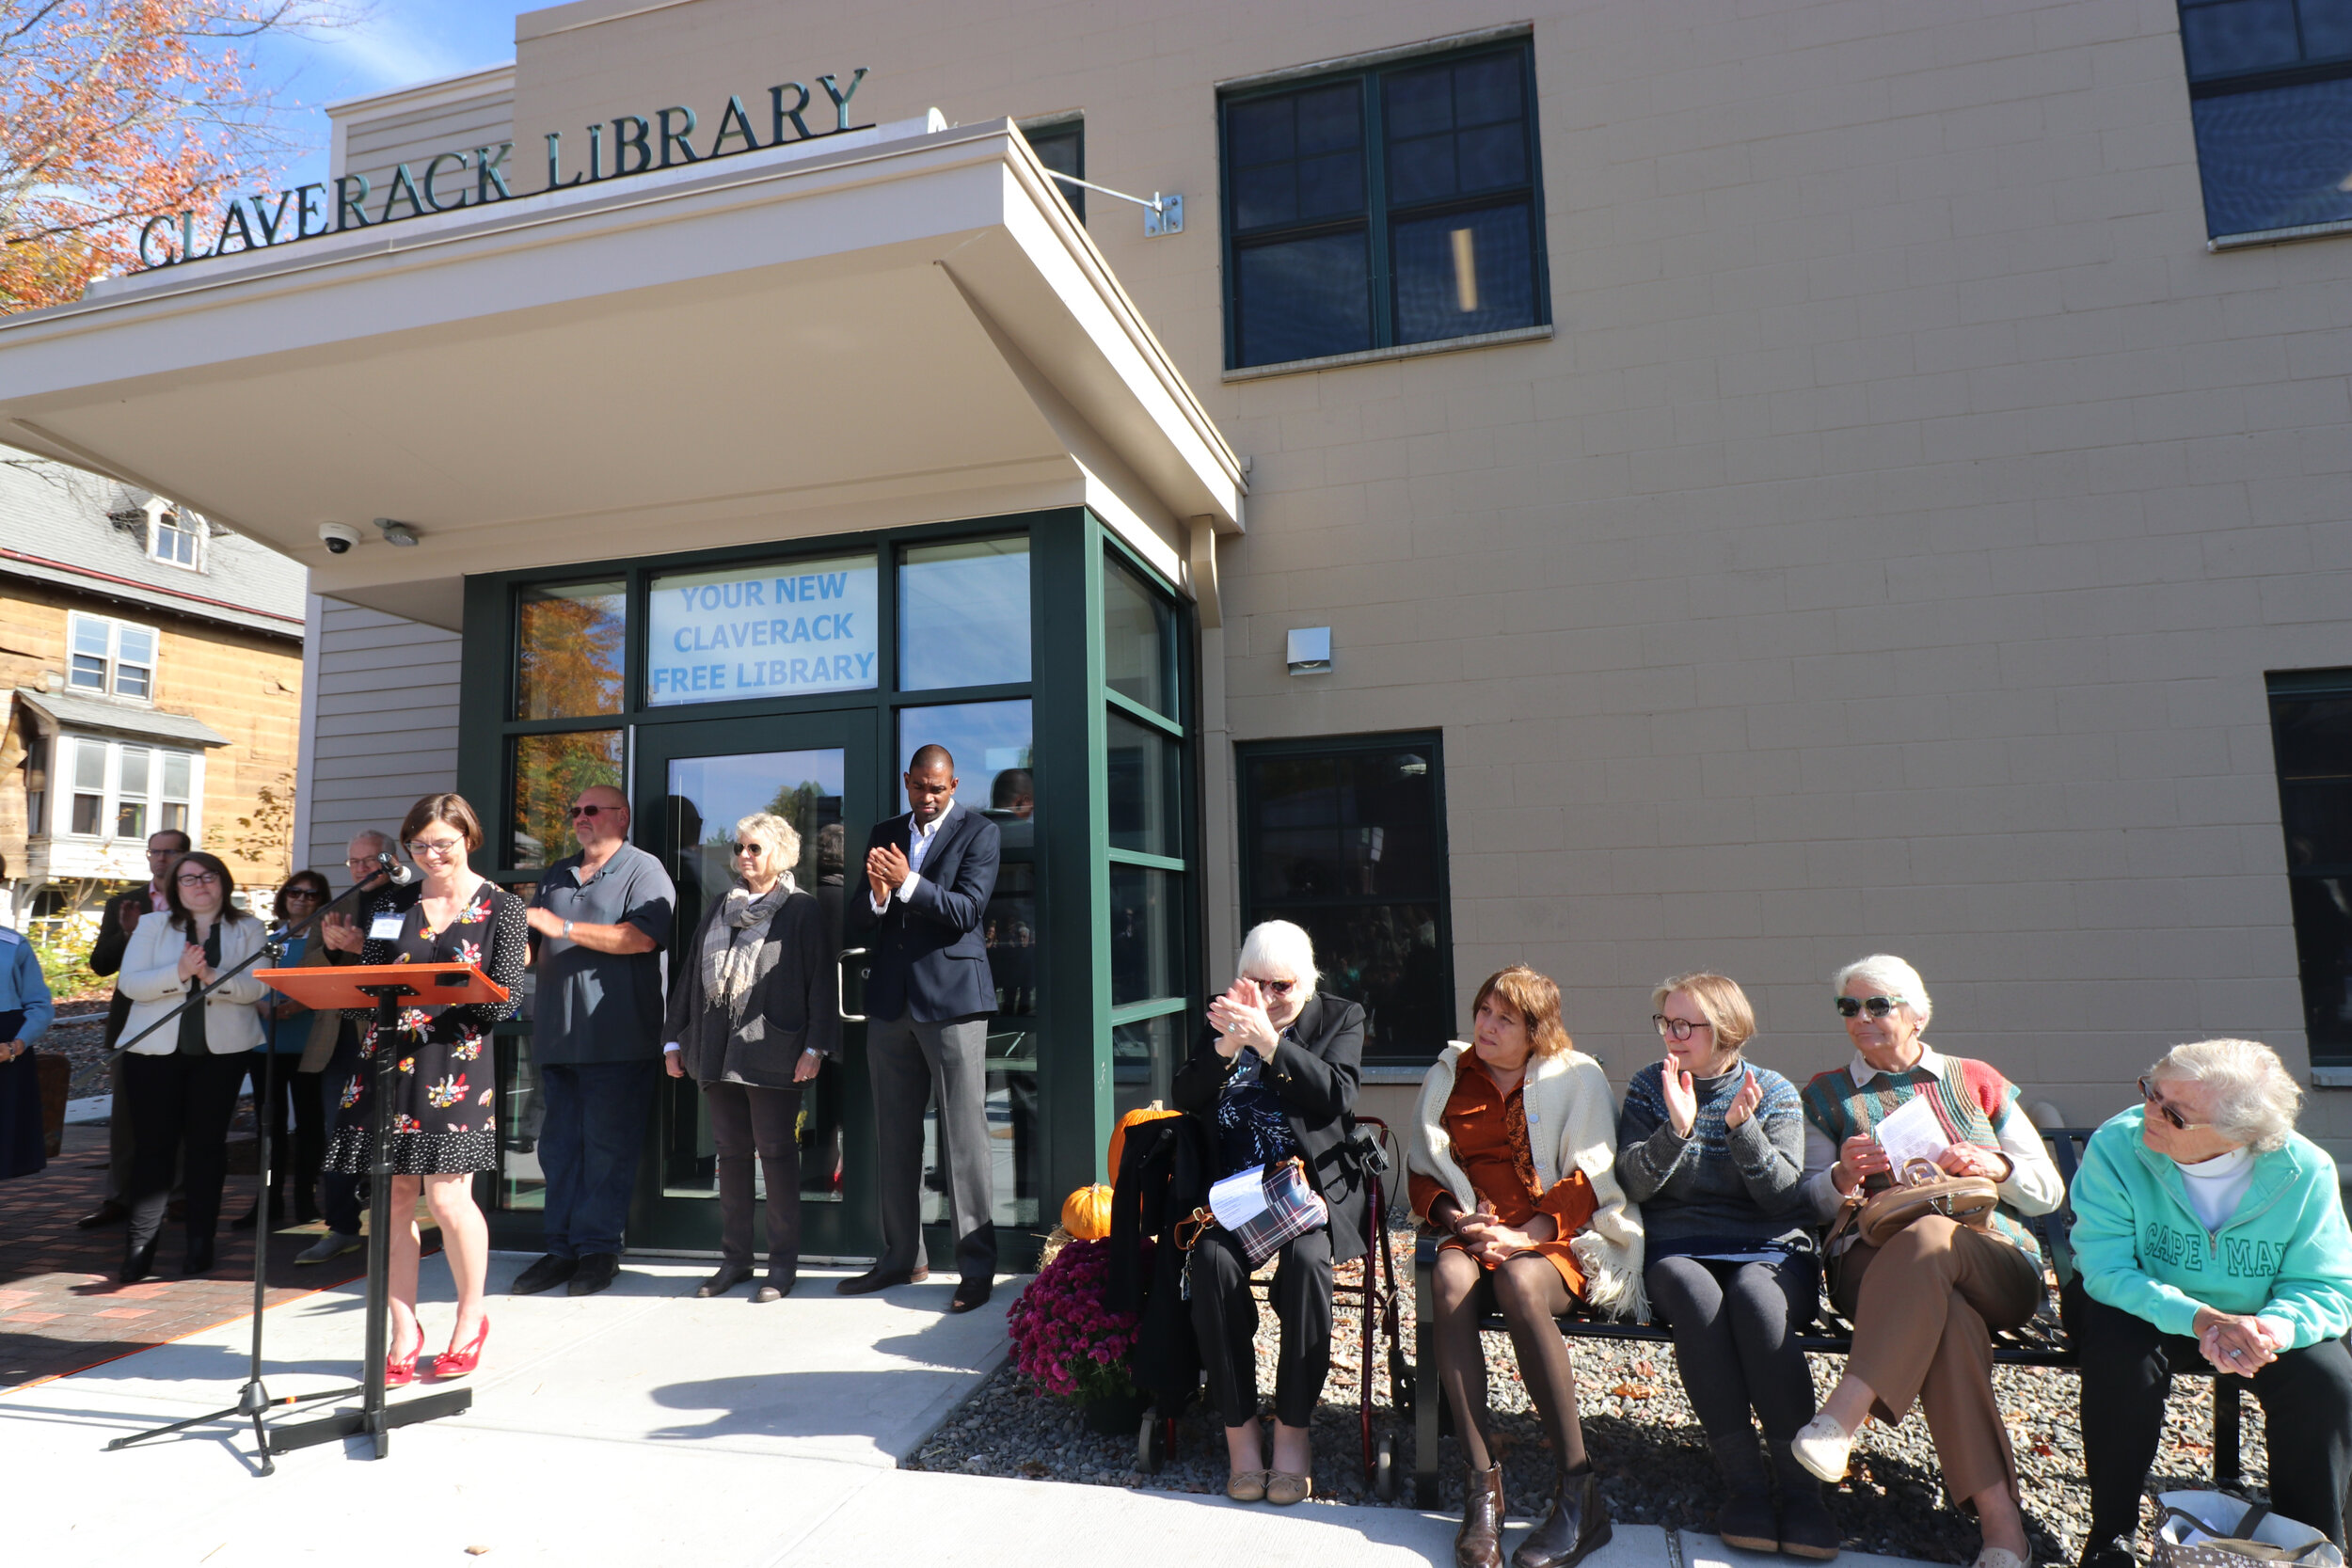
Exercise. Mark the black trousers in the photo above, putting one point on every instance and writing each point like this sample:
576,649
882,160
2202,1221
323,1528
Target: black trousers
339,1194
743,1118
180,1107
2127,1369
1225,1316
298,1125
1735,1328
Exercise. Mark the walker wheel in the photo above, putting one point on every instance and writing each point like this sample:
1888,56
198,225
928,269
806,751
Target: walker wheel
1152,1443
1384,1475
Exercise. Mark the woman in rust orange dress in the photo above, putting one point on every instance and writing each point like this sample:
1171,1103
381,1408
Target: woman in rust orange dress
1512,1154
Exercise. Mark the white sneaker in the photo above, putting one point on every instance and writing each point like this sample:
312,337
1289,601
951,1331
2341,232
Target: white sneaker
1822,1446
333,1244
1999,1557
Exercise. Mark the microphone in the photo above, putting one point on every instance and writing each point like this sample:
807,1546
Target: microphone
395,873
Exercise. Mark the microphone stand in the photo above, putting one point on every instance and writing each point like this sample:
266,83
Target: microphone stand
254,1398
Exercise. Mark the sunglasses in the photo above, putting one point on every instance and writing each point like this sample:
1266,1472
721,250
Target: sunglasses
578,812
1877,1006
1272,988
749,848
310,894
2155,1103
1677,1028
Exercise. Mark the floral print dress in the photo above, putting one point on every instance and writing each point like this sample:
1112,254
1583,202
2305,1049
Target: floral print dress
444,1085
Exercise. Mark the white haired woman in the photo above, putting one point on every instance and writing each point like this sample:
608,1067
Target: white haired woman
2206,1226
1274,1075
751,1018
1925,1304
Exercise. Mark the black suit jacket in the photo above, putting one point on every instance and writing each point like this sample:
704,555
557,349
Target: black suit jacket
1315,1073
105,954
925,958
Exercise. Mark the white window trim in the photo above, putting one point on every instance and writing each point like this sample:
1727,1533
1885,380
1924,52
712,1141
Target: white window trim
64,786
183,521
114,656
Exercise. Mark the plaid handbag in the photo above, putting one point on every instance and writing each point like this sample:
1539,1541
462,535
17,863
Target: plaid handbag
1292,1208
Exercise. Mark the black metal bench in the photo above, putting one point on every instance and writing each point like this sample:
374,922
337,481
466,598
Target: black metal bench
2041,1342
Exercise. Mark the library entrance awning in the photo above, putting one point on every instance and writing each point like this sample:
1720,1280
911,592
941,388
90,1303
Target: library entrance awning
867,331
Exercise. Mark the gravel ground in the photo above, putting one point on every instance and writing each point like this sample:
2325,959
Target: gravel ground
75,1034
1638,1427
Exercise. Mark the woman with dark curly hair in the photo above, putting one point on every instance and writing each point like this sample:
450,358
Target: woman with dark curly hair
444,1126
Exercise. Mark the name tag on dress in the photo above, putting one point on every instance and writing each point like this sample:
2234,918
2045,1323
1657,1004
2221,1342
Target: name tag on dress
385,927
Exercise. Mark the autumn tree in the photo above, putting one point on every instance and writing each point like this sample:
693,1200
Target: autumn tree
116,111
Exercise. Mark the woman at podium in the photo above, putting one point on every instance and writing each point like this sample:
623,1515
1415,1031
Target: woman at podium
444,1125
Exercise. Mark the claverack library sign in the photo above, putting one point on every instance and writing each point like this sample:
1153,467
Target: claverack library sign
479,176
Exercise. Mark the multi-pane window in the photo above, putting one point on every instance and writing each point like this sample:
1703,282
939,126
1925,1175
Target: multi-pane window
113,658
122,789
1145,775
1393,205
2310,734
1346,838
2270,90
177,539
1060,145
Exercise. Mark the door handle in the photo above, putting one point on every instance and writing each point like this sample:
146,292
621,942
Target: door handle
841,984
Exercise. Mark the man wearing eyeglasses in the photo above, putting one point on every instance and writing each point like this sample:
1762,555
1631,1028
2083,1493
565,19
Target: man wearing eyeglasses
119,918
602,920
929,997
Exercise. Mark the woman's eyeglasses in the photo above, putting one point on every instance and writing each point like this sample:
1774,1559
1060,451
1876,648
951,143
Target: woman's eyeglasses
1877,1006
1677,1028
751,849
308,896
196,879
1272,988
2157,1104
438,847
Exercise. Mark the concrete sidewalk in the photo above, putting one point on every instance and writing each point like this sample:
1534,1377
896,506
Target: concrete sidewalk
639,1427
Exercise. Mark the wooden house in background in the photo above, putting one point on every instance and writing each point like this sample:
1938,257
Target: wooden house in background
151,666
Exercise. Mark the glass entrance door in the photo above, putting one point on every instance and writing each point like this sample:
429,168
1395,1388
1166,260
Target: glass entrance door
695,782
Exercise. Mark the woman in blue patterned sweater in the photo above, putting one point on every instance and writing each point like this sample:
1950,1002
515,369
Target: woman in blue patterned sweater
1712,1148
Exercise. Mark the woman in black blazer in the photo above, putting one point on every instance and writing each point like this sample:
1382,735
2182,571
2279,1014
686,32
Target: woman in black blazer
751,1018
1275,1074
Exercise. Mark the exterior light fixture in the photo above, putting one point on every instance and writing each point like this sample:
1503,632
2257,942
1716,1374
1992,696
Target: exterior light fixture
395,532
1310,651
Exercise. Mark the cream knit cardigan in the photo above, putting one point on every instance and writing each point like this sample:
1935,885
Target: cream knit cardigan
1571,1126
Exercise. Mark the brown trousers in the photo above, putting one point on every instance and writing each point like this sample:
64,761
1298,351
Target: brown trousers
1924,1308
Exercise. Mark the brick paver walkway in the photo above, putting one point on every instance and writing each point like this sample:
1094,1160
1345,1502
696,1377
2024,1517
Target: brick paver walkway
60,1307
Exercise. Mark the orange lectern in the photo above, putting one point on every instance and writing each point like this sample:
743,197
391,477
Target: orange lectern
384,988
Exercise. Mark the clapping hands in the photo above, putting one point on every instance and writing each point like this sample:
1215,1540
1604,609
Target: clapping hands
1240,1020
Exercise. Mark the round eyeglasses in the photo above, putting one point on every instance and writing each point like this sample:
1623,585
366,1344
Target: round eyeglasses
1676,1029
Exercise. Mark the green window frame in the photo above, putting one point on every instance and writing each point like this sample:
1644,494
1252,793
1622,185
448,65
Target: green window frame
1439,225
1401,972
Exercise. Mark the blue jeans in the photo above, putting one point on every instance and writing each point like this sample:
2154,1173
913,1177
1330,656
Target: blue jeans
595,1125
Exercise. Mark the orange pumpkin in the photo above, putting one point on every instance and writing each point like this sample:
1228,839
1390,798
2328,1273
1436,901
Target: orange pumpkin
1153,1112
1087,1213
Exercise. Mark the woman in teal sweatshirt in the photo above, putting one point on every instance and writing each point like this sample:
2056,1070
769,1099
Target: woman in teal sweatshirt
2206,1226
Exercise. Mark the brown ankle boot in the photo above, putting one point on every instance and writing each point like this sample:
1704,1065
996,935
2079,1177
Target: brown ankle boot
1479,1543
1576,1525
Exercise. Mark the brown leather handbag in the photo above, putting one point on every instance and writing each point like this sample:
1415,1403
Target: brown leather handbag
1921,1188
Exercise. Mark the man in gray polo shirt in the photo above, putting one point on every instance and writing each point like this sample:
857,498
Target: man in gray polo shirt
602,918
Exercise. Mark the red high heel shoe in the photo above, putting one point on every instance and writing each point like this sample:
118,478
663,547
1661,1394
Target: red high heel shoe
400,1371
457,1363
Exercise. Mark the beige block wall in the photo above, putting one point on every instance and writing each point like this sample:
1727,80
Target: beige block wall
1887,551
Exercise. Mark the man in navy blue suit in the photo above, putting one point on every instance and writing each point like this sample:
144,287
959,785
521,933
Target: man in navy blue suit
929,997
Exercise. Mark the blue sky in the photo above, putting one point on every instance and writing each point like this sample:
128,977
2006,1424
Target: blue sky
401,41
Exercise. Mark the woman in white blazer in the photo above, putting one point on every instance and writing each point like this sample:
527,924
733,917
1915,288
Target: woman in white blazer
1512,1154
183,1078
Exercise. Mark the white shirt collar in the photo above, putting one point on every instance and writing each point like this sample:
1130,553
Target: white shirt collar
930,830
1930,1059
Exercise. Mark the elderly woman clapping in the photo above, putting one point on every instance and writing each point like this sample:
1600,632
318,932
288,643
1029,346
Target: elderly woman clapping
2205,1225
751,1018
1925,1304
1274,1075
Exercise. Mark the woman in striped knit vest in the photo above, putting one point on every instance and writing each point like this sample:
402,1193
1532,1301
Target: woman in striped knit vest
1924,1306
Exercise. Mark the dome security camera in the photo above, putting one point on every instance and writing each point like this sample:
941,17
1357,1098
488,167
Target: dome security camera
338,537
